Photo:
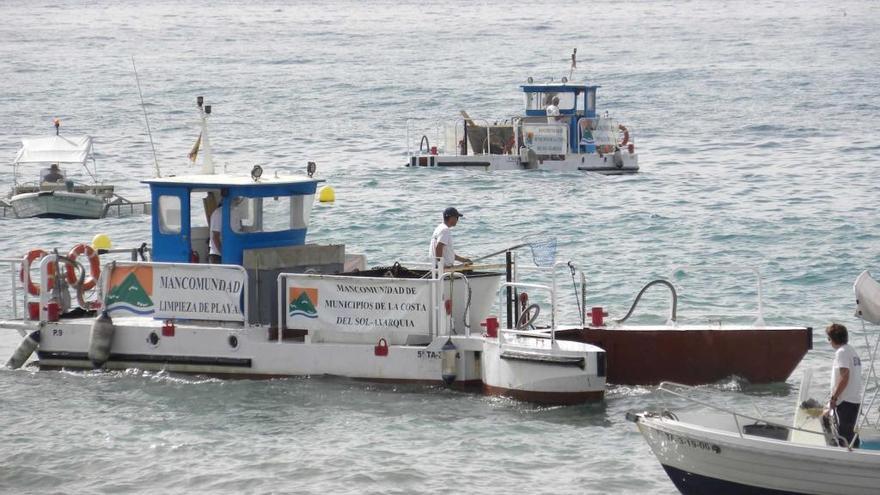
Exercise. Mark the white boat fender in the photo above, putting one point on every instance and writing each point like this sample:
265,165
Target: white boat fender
448,361
101,339
27,347
618,158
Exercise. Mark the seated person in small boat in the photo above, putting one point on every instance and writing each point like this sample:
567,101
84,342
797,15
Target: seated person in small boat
441,240
53,175
846,382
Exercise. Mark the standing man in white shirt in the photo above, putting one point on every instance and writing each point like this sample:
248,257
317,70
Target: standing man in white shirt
846,382
441,240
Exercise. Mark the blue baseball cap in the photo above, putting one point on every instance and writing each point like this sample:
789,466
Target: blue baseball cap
451,212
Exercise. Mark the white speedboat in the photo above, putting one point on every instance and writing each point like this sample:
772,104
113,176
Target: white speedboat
577,139
710,449
53,193
280,307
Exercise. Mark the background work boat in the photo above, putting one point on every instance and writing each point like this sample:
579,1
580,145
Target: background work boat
281,307
577,139
707,449
54,194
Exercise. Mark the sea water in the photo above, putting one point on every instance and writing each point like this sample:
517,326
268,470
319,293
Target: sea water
756,125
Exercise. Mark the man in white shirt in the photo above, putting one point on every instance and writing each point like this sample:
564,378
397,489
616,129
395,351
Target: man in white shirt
441,240
846,382
553,111
215,244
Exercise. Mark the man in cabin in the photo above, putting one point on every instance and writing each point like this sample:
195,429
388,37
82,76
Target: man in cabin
53,175
441,240
215,243
846,382
553,116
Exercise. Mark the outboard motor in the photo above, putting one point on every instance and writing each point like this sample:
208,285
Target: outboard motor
24,351
101,339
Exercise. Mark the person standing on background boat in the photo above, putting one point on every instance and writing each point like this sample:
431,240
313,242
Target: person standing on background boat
846,382
441,240
553,111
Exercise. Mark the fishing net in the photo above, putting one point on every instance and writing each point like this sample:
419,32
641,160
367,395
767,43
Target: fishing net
543,250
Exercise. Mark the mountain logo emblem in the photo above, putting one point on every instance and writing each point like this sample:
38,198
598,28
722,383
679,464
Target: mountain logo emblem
302,302
131,290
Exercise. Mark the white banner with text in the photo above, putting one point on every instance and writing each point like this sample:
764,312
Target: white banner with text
176,291
357,304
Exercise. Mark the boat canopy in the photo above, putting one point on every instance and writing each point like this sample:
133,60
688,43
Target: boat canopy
54,149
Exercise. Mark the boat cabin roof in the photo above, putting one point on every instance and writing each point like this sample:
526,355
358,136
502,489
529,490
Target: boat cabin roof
54,149
271,212
211,181
557,87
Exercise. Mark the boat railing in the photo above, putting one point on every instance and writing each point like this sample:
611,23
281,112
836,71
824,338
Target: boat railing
19,286
759,317
410,134
674,389
524,318
451,137
120,206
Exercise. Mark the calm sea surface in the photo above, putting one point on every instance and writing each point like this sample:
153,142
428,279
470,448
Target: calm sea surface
756,124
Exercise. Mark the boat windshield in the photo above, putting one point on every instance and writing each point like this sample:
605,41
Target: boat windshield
540,100
272,214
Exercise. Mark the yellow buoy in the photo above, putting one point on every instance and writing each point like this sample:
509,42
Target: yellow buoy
326,194
101,242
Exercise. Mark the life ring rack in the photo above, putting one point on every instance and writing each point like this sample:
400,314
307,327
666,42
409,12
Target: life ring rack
89,281
33,287
622,128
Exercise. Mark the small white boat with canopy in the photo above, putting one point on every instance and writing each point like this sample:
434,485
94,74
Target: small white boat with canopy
709,449
44,185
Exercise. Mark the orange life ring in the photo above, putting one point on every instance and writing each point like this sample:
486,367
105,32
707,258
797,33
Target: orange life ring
34,287
625,135
94,266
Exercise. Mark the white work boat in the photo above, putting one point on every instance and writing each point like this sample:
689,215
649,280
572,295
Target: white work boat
54,193
577,139
280,307
711,450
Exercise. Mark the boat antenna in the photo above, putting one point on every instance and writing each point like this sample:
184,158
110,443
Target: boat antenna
573,63
146,120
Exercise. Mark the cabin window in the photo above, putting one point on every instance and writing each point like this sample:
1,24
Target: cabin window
301,210
246,214
169,214
591,102
277,214
540,100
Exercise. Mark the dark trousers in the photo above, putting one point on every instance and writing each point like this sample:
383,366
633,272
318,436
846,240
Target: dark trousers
847,415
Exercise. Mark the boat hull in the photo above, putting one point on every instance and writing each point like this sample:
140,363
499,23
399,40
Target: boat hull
626,163
696,355
57,204
255,352
701,460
